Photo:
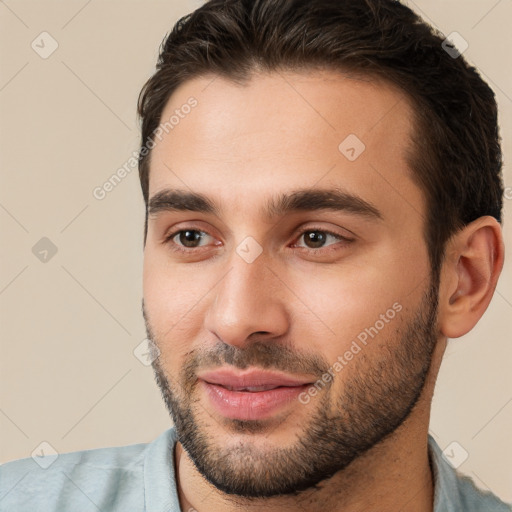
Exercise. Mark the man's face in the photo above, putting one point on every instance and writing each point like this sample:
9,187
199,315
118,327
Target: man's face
293,338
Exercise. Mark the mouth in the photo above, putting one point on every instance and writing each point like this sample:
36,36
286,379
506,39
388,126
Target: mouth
252,394
250,389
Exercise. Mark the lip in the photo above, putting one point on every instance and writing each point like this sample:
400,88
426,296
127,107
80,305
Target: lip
224,390
251,378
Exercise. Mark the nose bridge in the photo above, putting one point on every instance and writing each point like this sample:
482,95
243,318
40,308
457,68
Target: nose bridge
247,300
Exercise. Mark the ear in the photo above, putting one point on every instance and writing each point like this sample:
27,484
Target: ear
471,267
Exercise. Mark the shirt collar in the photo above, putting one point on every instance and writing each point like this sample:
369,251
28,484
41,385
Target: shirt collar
160,488
444,479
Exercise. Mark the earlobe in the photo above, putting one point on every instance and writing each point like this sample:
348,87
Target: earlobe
472,265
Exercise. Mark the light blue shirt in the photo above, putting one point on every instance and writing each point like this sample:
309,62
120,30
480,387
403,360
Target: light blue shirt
140,478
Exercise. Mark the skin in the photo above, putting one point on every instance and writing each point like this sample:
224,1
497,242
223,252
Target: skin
277,133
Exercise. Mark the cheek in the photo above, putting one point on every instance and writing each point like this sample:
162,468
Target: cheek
171,289
363,303
173,303
338,310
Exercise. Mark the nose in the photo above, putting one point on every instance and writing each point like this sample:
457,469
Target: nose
248,301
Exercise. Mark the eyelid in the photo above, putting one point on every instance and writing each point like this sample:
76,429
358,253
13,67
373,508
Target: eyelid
348,236
184,226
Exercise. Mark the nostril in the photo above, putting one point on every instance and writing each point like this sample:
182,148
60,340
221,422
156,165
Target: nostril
259,333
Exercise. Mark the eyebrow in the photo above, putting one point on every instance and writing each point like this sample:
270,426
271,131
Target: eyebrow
168,200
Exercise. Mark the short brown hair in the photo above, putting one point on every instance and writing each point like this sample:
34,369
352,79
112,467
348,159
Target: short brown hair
456,158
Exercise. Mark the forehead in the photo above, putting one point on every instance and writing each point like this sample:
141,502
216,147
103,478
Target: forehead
281,131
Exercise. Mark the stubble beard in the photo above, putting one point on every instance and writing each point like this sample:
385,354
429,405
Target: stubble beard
378,396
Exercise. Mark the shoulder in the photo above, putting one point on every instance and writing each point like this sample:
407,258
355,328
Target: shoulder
454,491
89,480
475,499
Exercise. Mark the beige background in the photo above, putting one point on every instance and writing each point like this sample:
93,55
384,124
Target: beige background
69,326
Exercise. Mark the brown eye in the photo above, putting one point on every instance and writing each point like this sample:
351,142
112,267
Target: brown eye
190,237
315,239
319,238
187,239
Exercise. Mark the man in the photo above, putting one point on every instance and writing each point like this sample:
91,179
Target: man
323,190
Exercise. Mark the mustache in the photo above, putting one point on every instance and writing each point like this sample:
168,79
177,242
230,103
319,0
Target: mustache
268,355
261,354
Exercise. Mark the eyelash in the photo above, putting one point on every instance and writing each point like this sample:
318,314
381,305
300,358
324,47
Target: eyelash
181,249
